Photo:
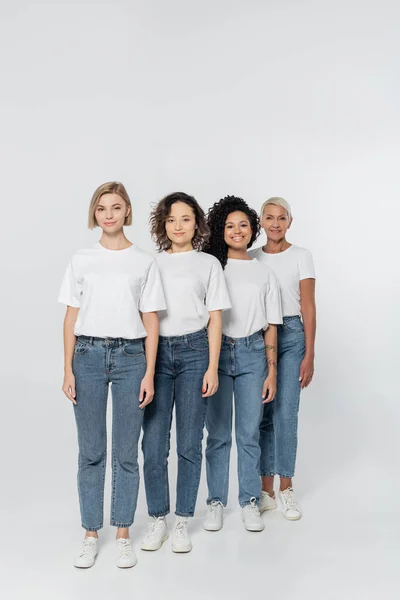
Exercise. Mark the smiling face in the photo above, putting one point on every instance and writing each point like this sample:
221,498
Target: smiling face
111,212
180,225
275,222
237,232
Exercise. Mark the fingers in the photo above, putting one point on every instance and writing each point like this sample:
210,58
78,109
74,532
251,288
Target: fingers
264,390
141,393
70,393
209,389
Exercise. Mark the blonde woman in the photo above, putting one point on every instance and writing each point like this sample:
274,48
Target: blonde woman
294,269
113,292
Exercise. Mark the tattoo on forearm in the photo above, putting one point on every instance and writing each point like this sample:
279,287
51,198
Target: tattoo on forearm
271,362
269,347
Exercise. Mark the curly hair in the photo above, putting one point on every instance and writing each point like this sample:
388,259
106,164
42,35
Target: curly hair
216,219
161,212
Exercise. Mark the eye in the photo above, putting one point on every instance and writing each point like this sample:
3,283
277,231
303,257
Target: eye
99,209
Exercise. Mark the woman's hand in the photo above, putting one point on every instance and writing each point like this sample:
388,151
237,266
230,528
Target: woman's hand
269,388
306,371
146,394
69,387
210,383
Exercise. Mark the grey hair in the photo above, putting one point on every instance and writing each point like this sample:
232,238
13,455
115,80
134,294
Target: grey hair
278,202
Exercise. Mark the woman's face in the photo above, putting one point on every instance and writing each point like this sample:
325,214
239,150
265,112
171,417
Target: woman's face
180,225
111,212
275,222
237,232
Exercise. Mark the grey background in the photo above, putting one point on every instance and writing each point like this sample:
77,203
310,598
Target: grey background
257,98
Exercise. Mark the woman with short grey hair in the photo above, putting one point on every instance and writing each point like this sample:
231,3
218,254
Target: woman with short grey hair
294,269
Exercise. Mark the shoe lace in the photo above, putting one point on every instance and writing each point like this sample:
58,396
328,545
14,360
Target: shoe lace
252,508
87,547
180,529
155,525
124,547
213,507
289,499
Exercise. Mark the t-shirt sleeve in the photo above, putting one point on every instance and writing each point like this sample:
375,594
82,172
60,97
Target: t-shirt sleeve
71,290
217,297
152,296
274,301
306,266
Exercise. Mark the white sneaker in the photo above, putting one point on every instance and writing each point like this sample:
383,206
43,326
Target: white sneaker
267,502
87,555
125,555
214,517
290,507
156,535
180,537
251,517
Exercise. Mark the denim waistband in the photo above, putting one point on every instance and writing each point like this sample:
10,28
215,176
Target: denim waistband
107,341
295,317
243,340
163,339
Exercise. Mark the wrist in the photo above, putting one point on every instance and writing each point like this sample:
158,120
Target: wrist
149,373
68,371
212,367
309,354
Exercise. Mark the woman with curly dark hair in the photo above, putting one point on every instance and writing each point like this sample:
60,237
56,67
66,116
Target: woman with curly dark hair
247,364
186,371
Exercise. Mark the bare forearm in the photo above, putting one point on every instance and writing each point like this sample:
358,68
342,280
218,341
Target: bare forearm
214,338
150,322
310,323
69,338
271,346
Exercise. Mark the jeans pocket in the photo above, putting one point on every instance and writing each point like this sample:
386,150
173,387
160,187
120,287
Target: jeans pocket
200,344
134,348
294,326
80,348
257,345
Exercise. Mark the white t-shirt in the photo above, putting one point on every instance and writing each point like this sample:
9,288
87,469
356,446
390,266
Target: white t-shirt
290,267
110,287
194,285
255,298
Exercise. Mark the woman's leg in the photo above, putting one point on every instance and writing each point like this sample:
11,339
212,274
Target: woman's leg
156,435
127,367
251,371
90,414
219,431
190,416
286,403
267,445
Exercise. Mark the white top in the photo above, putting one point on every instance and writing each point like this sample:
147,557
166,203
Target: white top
110,287
290,267
255,297
194,285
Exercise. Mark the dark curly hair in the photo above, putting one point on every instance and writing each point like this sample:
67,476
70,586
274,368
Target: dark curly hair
161,212
216,219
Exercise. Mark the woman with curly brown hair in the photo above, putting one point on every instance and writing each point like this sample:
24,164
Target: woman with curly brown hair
187,363
247,364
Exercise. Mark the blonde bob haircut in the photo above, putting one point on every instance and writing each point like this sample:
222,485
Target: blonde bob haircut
111,187
277,201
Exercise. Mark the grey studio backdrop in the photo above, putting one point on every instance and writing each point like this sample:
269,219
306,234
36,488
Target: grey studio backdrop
257,98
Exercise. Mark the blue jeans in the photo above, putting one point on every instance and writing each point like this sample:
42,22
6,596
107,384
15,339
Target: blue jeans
242,372
180,367
278,432
98,362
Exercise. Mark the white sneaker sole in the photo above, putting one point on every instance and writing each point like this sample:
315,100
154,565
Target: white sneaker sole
254,528
181,549
127,566
212,526
292,518
154,547
85,566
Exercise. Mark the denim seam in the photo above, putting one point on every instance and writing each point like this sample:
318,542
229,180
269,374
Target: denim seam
199,461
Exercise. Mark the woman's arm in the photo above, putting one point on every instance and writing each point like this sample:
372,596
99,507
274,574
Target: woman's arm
69,343
210,381
308,313
271,347
150,322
